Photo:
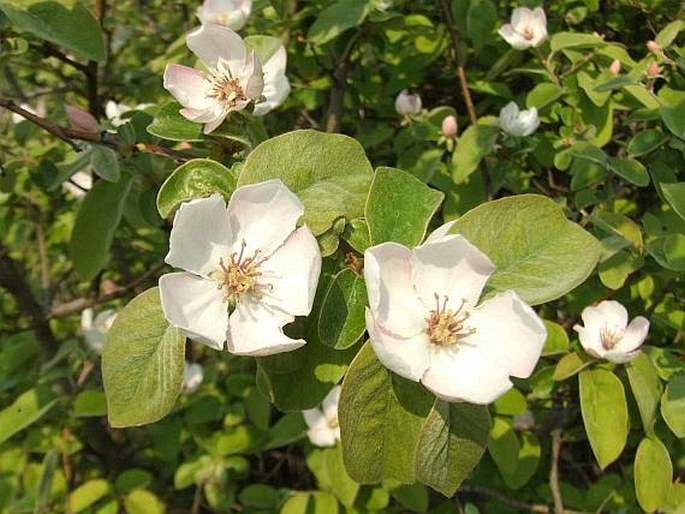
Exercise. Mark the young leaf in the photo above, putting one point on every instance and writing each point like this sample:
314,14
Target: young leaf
336,19
399,207
25,410
475,143
142,363
341,321
653,474
570,364
451,443
169,124
675,196
105,163
673,405
646,387
605,414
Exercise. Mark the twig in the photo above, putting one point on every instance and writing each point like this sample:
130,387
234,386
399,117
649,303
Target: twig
579,64
336,103
44,264
554,473
50,51
537,508
461,73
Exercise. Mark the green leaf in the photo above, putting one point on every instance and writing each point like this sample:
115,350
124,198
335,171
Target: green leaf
414,497
542,95
399,207
480,20
673,405
331,475
142,363
336,19
557,339
667,35
194,179
281,7
341,321
169,124
142,501
105,163
503,445
672,113
536,251
570,364
380,417
28,408
562,40
473,145
96,222
527,463
310,503
264,46
451,443
356,233
328,172
605,414
645,141
629,169
646,387
675,196
90,403
67,23
87,494
653,474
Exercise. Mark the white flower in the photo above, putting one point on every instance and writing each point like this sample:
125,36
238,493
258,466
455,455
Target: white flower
79,183
527,28
518,123
229,13
233,80
95,330
607,334
323,423
113,111
449,127
424,323
192,377
249,270
38,111
406,104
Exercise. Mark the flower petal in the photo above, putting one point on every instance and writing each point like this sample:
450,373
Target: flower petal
633,337
408,357
330,403
458,373
590,341
392,297
201,235
275,92
252,77
257,329
508,333
516,40
188,86
195,305
441,232
521,19
323,437
213,42
293,272
264,215
450,266
613,314
314,418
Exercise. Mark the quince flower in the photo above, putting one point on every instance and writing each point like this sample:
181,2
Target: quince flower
193,375
406,104
234,78
95,328
527,28
449,127
424,322
249,270
323,423
229,13
113,111
518,123
607,333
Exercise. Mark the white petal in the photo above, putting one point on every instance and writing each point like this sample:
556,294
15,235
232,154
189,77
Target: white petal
458,373
201,236
275,92
450,267
441,232
256,329
330,403
508,334
188,86
195,305
408,357
508,116
293,272
522,18
104,320
634,335
590,341
612,312
314,418
87,319
516,40
323,437
252,78
193,375
213,42
529,121
212,125
392,297
263,215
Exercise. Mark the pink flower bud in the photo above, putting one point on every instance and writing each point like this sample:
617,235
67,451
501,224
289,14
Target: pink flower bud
653,47
81,120
653,70
615,67
449,127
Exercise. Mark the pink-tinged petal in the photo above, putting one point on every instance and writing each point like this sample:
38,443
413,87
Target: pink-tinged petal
201,236
408,357
508,333
450,267
195,305
516,40
252,77
293,272
205,116
634,335
330,403
257,329
590,341
188,86
458,373
440,233
392,297
263,215
275,92
211,126
213,42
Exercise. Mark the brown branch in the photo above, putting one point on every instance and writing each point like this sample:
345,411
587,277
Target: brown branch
50,51
554,473
44,263
336,103
510,502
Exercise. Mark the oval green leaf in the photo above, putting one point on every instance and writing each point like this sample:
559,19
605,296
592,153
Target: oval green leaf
673,405
341,321
646,388
653,474
25,410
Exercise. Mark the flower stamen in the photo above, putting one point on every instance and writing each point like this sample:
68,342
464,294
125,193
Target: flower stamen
446,327
224,87
610,335
241,276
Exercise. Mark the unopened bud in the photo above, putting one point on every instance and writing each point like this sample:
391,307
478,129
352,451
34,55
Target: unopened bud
449,127
407,104
81,120
653,47
615,67
653,70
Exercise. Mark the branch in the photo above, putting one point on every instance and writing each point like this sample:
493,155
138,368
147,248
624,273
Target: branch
336,103
554,473
536,508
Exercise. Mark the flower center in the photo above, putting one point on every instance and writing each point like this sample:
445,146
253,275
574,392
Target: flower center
528,33
446,327
240,276
610,335
333,423
224,86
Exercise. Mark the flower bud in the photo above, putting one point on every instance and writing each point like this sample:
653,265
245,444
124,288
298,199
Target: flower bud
653,47
449,127
615,67
653,70
81,120
406,104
